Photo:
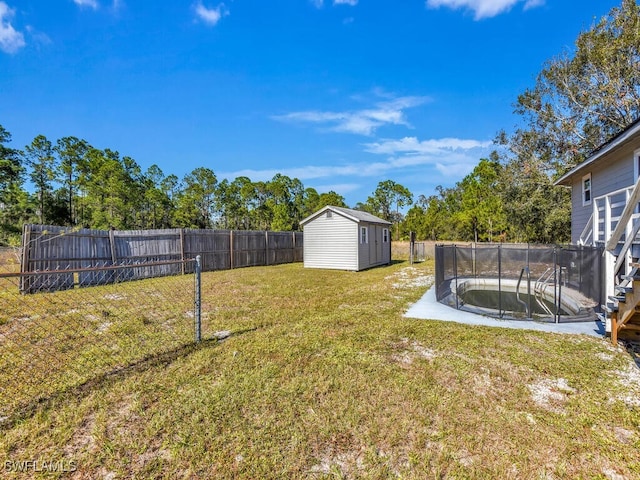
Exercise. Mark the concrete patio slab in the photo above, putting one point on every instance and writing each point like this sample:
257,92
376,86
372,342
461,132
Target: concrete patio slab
428,308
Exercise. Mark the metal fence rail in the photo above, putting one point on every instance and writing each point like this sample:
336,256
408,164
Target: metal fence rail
51,341
553,272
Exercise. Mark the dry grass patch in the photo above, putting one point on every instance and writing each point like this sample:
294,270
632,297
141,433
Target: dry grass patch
322,376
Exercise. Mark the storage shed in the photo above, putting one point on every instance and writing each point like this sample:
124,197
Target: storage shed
344,239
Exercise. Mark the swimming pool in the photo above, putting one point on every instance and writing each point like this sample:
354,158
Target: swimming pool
521,282
503,299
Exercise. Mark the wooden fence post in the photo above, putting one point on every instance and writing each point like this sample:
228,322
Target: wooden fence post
231,249
182,249
25,258
112,245
266,247
26,240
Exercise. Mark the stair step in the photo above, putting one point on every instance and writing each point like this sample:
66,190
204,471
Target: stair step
631,327
610,308
617,298
623,288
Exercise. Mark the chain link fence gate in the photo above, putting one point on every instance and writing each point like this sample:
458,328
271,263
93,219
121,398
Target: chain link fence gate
53,340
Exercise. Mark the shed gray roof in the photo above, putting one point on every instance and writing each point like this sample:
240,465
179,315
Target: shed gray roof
355,215
620,139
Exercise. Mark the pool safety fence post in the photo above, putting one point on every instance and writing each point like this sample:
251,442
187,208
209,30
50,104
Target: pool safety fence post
555,282
559,304
500,281
530,315
455,273
197,301
474,249
412,246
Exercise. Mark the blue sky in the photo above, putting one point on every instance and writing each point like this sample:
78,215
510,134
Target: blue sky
341,94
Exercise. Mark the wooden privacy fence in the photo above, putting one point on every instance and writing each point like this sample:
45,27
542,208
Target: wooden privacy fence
52,248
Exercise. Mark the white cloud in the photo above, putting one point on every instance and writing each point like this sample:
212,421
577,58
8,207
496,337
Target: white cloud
484,8
87,3
456,170
10,39
38,38
412,146
449,156
361,122
320,3
341,188
210,16
533,4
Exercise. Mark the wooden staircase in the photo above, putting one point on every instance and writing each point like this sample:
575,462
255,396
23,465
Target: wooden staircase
624,308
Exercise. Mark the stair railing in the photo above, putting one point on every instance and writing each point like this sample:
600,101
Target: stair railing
587,234
540,288
621,227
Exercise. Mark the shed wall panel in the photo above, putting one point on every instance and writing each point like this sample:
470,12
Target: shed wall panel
376,252
331,243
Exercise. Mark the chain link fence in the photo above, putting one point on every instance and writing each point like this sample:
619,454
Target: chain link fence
51,341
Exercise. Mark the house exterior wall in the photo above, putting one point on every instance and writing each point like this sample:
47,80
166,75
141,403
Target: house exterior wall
331,243
614,172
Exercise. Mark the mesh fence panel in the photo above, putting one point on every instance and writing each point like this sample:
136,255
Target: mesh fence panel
445,269
487,262
582,269
464,263
542,261
52,341
550,269
512,261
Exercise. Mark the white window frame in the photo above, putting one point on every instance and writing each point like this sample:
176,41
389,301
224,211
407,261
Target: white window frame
364,235
586,178
385,235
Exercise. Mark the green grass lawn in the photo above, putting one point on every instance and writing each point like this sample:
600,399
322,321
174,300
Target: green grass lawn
323,377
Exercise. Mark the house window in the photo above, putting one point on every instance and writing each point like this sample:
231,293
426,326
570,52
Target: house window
364,235
385,235
586,190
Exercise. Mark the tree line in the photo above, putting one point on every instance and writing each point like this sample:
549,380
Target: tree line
580,99
76,184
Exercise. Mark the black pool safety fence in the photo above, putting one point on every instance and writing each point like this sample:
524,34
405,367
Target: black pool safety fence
548,283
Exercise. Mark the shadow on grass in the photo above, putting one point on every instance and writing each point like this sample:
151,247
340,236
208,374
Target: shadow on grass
165,358
396,261
633,349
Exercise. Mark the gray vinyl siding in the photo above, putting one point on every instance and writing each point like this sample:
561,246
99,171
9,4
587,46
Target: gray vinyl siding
331,243
375,252
613,172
